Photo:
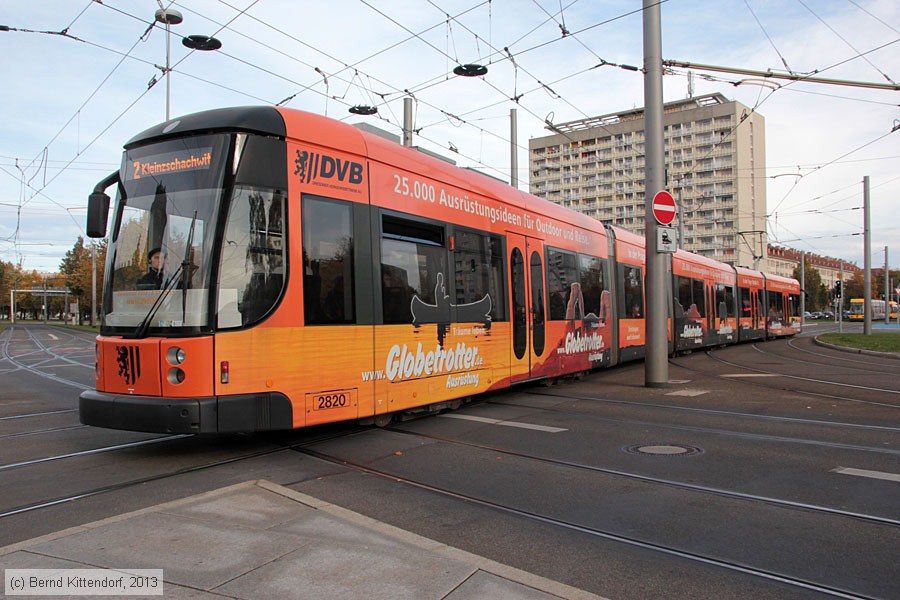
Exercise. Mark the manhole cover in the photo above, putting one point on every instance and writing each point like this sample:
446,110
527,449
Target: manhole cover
663,450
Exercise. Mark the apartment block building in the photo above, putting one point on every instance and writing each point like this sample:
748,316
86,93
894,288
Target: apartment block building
715,167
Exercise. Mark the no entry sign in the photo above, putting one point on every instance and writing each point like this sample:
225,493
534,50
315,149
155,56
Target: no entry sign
663,207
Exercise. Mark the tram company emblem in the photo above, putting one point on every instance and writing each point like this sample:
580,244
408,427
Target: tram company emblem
313,167
129,360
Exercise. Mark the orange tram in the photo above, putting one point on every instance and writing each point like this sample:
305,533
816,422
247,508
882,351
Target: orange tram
307,272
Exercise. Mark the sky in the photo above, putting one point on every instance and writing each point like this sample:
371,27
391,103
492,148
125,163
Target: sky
77,85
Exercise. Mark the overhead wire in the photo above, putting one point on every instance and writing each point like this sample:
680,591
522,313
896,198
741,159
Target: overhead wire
843,39
469,121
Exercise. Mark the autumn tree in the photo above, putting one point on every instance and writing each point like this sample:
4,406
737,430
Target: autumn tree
854,287
816,294
77,269
9,275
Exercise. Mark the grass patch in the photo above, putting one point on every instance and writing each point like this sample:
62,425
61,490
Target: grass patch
881,342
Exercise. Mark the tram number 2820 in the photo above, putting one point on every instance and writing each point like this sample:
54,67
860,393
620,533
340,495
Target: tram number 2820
332,400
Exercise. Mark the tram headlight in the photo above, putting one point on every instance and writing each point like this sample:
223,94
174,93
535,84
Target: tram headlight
176,355
176,375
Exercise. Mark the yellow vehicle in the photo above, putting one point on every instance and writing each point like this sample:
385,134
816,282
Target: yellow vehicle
857,309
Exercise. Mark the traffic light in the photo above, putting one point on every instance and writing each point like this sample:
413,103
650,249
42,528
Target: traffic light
837,288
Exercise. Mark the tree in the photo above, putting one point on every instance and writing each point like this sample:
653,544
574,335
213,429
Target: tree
817,295
9,275
855,286
77,268
878,283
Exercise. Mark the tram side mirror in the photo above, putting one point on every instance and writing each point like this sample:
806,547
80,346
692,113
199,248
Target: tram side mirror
97,214
98,207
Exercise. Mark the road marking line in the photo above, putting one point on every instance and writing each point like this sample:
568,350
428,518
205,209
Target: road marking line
751,375
869,474
506,423
52,337
689,393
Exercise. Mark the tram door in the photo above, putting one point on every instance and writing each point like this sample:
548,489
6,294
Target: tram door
526,274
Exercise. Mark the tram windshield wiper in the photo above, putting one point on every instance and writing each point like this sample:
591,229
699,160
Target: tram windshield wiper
186,268
183,273
141,331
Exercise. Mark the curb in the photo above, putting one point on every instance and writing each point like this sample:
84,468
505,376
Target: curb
894,355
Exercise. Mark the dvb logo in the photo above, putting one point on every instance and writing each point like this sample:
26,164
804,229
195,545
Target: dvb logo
312,165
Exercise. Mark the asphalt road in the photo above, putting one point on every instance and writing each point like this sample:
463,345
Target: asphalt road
768,470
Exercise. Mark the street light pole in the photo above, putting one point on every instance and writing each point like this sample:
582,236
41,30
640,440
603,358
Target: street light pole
168,17
656,365
867,261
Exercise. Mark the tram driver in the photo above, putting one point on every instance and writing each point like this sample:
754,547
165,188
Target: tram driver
152,279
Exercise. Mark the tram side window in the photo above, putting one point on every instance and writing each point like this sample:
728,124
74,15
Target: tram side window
691,299
590,275
685,299
633,303
724,301
478,262
776,305
794,303
413,263
253,259
746,302
697,289
561,274
327,262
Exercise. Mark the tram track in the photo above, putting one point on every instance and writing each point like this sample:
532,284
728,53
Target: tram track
708,411
5,354
830,358
279,447
711,354
634,541
90,452
49,430
40,414
757,383
728,432
657,480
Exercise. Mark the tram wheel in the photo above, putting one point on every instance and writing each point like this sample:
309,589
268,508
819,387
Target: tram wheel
383,420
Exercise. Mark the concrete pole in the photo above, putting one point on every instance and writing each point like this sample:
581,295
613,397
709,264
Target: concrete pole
513,149
867,260
407,122
887,288
656,365
841,297
168,70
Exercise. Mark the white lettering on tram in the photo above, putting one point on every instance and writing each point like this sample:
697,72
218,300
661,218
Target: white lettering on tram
576,343
455,381
403,363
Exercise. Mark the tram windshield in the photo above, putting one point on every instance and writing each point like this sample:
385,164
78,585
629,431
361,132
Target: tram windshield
158,274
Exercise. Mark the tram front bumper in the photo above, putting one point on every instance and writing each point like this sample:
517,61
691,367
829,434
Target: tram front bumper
211,414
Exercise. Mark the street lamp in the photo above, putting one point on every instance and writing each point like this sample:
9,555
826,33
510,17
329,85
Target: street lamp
168,17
